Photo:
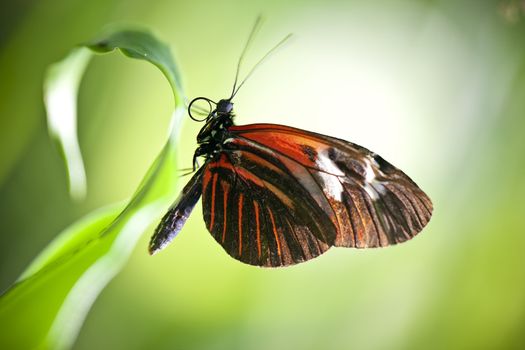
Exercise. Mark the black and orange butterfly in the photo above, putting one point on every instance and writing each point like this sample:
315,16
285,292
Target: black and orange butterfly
274,195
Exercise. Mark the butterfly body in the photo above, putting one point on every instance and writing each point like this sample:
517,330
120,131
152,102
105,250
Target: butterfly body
212,135
274,195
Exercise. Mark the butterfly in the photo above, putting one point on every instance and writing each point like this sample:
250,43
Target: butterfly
274,195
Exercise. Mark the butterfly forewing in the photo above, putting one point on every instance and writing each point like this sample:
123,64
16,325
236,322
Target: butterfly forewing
176,217
370,202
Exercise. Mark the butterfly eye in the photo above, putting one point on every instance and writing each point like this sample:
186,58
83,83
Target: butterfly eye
200,109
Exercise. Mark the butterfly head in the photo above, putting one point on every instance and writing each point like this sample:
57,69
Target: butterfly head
224,107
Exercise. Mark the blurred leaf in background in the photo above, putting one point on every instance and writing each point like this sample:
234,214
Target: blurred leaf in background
47,305
436,87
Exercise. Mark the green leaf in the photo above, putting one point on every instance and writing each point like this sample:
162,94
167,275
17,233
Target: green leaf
60,97
144,46
61,89
46,307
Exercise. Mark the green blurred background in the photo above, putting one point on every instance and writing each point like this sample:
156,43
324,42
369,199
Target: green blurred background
437,87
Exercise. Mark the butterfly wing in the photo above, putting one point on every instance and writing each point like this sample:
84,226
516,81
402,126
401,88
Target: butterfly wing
368,201
260,214
176,217
278,196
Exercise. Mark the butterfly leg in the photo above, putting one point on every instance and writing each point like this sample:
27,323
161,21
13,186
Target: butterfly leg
200,151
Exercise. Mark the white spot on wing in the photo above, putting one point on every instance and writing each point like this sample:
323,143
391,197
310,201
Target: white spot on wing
371,185
369,171
332,187
326,164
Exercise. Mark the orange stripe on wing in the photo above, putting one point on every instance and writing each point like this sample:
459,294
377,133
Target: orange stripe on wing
280,194
247,154
240,223
258,236
275,233
206,177
225,188
213,187
240,129
223,163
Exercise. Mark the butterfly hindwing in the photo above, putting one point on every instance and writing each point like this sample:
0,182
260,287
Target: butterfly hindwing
260,215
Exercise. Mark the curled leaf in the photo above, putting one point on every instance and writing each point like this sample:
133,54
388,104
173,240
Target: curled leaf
48,304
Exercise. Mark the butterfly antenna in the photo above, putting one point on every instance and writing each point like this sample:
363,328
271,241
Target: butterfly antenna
199,110
255,29
279,44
